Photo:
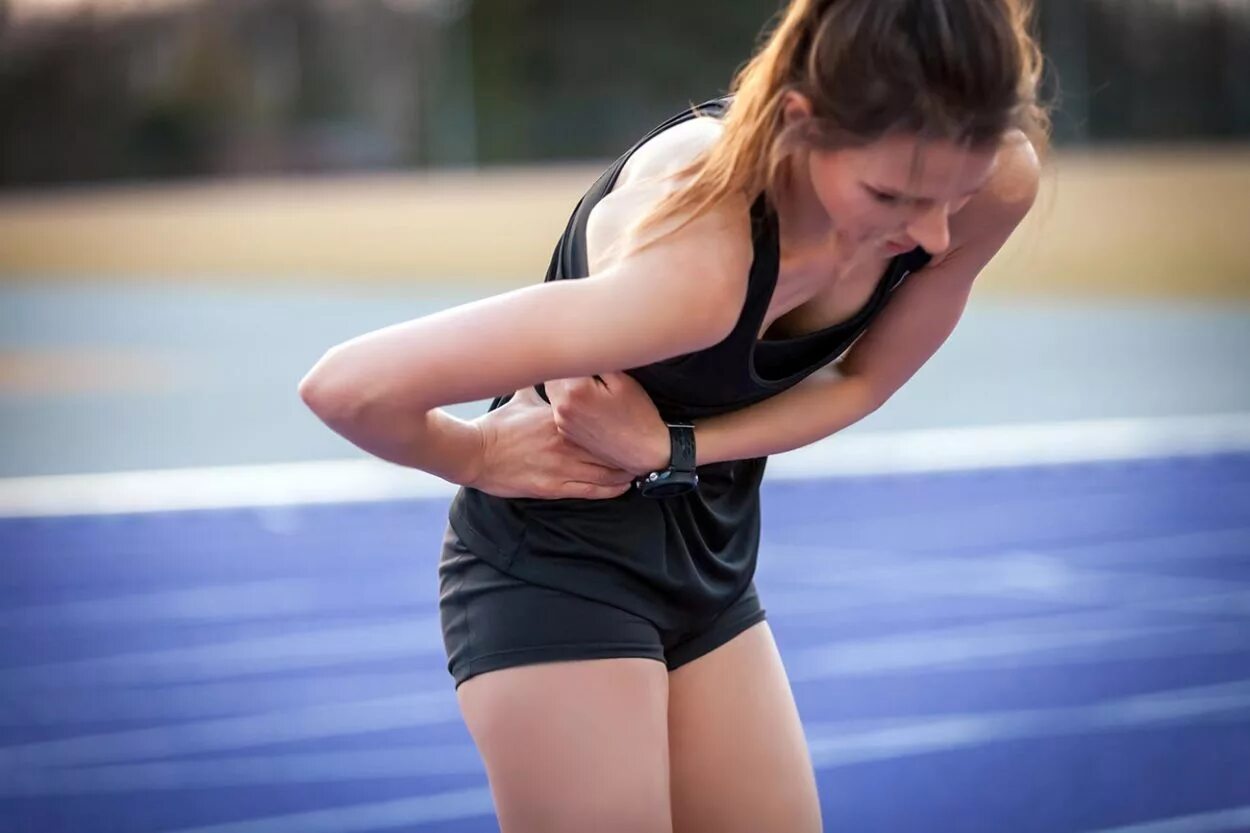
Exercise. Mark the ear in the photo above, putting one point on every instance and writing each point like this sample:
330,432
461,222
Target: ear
795,107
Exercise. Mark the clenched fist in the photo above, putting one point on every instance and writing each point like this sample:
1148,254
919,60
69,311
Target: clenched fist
525,455
612,417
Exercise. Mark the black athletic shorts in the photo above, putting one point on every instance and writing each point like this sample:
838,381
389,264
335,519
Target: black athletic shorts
492,620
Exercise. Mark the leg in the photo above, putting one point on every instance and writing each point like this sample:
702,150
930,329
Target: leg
571,747
737,751
566,700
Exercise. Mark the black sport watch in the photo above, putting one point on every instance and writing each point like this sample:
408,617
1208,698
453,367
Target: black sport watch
680,476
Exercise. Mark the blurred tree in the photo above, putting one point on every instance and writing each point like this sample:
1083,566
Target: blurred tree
568,79
249,86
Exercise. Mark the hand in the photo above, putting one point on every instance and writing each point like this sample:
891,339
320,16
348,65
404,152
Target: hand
614,419
523,455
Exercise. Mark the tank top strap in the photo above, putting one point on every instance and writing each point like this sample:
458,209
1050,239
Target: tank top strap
572,260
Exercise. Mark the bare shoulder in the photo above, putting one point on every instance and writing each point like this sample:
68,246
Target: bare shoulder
710,256
1012,189
646,179
989,218
671,151
1015,182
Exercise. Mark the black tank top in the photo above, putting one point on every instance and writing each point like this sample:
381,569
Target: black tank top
692,554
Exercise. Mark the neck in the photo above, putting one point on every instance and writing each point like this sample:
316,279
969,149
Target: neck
803,223
807,235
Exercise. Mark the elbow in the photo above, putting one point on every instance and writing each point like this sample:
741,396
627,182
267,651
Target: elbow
870,393
874,396
330,392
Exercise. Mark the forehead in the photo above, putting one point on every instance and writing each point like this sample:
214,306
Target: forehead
924,167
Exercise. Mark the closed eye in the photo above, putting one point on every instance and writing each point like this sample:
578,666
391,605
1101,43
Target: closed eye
882,197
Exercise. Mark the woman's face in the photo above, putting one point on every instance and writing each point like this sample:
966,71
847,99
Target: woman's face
892,194
898,192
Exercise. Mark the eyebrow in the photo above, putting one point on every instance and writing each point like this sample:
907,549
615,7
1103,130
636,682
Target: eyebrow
895,193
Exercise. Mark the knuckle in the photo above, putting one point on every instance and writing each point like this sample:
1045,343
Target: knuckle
581,390
564,412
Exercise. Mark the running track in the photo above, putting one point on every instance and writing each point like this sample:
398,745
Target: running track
1044,648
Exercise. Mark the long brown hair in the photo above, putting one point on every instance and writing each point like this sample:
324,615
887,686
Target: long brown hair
962,70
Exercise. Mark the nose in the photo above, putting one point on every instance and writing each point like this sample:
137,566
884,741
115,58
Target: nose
931,229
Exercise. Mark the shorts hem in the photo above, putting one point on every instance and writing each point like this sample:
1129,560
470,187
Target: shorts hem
499,660
705,643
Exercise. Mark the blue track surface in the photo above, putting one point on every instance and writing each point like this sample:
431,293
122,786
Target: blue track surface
1048,649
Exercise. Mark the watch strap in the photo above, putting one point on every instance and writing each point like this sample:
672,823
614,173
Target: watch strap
681,442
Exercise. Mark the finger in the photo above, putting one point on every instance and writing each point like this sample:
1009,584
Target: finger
557,387
527,395
599,474
612,477
615,380
594,491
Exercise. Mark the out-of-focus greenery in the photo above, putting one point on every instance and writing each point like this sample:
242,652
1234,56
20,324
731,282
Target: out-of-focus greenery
219,87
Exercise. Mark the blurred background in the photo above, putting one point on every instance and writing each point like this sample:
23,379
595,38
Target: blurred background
199,197
180,182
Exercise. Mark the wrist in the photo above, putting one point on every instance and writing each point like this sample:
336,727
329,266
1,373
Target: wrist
473,468
660,452
679,475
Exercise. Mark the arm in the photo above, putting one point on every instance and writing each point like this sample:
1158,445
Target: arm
909,331
917,322
380,390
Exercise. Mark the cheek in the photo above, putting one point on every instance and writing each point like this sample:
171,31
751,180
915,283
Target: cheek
851,209
876,220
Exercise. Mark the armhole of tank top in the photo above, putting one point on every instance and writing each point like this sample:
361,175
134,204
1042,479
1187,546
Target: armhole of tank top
764,256
573,254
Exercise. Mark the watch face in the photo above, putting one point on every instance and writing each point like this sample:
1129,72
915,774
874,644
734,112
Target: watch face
668,484
669,489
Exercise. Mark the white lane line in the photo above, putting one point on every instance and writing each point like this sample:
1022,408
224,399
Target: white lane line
1232,820
345,766
382,815
141,706
901,652
844,744
405,639
1196,545
70,696
966,645
844,455
984,447
1013,576
832,744
250,600
249,731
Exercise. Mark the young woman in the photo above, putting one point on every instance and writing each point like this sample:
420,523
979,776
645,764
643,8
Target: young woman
752,276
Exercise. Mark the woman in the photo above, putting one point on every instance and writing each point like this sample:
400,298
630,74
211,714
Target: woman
769,269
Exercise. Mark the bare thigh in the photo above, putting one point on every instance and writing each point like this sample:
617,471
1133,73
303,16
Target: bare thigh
738,756
574,746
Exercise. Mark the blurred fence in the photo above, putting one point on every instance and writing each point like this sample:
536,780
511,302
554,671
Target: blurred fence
137,89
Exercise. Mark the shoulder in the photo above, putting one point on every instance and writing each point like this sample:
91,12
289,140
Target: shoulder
672,150
990,217
705,262
647,178
1013,188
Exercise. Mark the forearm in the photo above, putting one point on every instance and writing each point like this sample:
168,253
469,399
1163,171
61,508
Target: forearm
433,441
819,406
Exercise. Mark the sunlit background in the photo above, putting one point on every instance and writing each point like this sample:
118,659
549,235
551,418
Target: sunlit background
1014,599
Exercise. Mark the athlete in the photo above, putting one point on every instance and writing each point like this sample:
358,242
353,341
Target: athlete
755,274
